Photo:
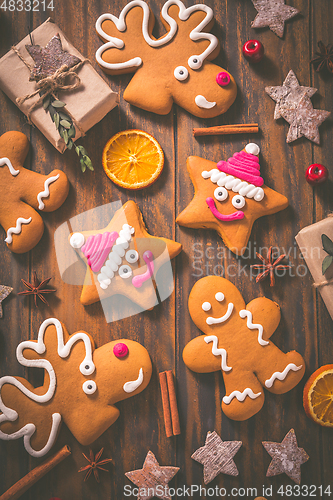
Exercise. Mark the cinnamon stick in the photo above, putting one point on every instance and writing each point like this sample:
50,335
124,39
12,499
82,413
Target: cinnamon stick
165,404
173,404
33,476
241,128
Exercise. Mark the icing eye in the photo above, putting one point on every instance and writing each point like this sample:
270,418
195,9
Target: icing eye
76,240
89,387
132,256
221,193
194,62
125,272
206,306
219,296
181,73
238,201
87,368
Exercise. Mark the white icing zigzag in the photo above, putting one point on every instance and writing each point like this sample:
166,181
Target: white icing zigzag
195,61
247,314
218,352
46,192
6,161
236,185
282,375
240,396
86,368
17,229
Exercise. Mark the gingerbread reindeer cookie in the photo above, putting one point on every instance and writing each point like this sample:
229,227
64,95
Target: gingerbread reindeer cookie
236,341
173,68
23,192
81,386
229,197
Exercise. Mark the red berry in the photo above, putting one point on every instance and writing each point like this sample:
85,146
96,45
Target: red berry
253,51
316,174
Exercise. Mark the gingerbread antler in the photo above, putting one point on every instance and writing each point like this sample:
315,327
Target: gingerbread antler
165,65
78,381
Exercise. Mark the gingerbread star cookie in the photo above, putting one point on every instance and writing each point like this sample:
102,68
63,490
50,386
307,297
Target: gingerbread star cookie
273,13
229,197
122,258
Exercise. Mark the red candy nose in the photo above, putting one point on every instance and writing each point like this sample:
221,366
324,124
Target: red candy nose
120,350
223,79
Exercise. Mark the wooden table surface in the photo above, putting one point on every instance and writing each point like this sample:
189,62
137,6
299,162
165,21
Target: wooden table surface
305,324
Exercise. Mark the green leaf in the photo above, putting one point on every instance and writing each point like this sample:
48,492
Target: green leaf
64,116
58,104
65,124
327,244
88,162
56,120
83,165
61,131
65,136
70,144
83,151
46,102
327,262
77,151
71,132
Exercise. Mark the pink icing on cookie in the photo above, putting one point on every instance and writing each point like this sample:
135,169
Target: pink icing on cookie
138,280
224,218
244,166
97,248
120,350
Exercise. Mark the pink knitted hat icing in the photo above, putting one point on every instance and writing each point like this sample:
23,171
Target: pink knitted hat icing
244,165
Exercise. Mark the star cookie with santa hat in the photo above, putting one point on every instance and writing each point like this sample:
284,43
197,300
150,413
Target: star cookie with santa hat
229,197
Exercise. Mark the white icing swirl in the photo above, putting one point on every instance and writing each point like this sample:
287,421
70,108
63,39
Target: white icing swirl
134,384
77,240
216,351
240,396
282,375
247,314
17,229
6,161
202,102
46,192
236,185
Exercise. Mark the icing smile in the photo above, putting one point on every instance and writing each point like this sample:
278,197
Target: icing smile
202,102
138,280
134,384
224,218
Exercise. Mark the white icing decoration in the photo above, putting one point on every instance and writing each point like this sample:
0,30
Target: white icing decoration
89,387
17,229
87,367
184,14
219,296
132,256
46,192
218,352
251,326
181,73
125,272
202,102
236,185
252,149
77,240
240,396
6,161
115,256
282,375
221,194
240,199
214,321
134,384
206,306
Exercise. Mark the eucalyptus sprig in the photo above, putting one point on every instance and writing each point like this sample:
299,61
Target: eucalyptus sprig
66,129
328,247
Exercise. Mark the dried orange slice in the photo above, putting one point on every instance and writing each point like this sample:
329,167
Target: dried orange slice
133,159
318,396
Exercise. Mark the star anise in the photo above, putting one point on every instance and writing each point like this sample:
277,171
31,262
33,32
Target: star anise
268,266
324,57
37,289
94,464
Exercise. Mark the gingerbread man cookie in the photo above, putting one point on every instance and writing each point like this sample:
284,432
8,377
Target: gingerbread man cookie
229,197
23,192
122,258
173,68
80,387
235,341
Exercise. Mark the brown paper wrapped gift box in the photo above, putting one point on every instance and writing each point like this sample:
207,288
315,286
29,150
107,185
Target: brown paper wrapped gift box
88,104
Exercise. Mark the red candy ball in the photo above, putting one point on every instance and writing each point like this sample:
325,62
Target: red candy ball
223,79
253,51
120,350
316,174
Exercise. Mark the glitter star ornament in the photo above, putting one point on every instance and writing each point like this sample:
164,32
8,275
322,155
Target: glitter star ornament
152,480
273,13
49,58
287,457
4,292
217,456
